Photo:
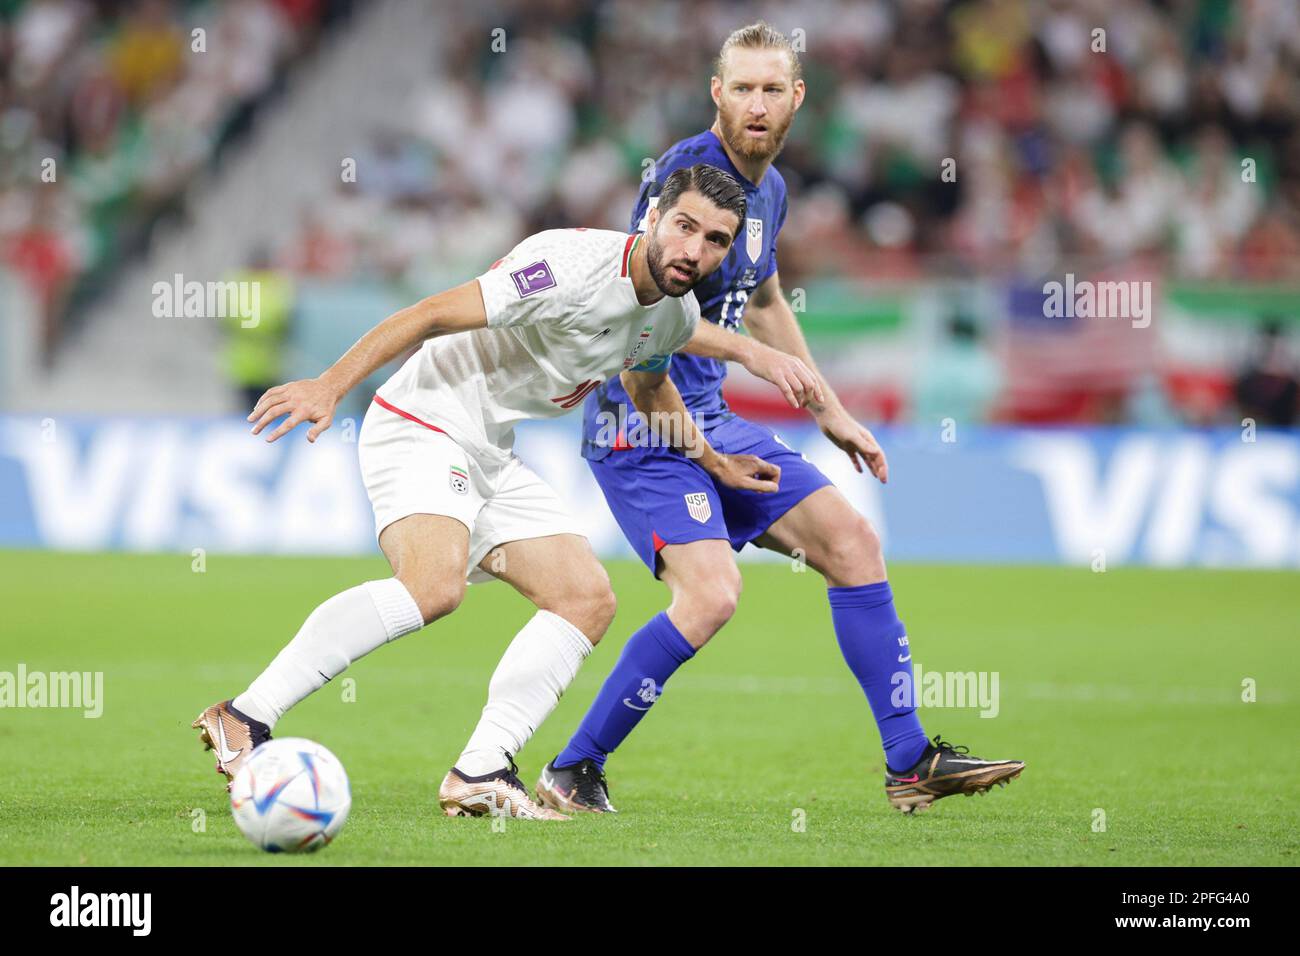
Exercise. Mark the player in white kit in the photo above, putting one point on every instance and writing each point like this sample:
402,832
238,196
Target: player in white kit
564,311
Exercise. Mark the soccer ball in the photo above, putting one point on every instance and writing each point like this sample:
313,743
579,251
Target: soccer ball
290,796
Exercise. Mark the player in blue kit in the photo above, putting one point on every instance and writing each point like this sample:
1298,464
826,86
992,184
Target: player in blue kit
684,525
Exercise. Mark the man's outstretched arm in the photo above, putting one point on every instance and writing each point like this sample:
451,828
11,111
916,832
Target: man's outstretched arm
796,380
770,319
313,399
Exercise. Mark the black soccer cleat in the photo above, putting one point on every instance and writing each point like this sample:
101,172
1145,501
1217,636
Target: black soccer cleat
579,788
944,770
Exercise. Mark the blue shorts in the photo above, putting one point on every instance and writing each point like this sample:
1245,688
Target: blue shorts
659,496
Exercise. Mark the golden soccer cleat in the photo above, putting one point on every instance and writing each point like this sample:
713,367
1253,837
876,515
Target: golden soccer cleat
944,771
498,794
232,735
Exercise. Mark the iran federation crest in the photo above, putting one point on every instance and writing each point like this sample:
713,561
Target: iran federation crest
459,480
698,507
754,238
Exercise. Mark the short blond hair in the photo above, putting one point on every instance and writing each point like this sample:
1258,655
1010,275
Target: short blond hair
759,36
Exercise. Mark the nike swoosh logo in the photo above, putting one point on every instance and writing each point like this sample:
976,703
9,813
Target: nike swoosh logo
224,753
628,702
599,334
912,779
904,660
548,781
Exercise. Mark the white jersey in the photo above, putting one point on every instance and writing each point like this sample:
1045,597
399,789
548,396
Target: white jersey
563,317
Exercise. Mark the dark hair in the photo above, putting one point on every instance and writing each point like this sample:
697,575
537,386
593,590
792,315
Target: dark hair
712,183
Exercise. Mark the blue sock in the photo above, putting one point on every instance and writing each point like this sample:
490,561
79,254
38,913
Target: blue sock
871,639
648,660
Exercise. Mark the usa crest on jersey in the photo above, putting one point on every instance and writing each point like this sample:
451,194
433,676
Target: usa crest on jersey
698,507
754,238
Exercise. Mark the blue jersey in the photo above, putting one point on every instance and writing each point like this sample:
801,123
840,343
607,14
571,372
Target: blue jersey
722,295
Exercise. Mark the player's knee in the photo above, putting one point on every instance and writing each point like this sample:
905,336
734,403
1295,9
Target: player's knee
854,552
435,599
860,539
711,600
604,607
588,603
721,609
594,611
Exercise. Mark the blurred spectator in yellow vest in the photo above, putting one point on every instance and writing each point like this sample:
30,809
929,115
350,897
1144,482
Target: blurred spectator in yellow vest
254,352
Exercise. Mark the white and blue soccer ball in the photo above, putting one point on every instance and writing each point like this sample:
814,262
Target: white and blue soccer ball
290,796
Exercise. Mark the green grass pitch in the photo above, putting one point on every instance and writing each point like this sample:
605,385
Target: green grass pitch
1121,690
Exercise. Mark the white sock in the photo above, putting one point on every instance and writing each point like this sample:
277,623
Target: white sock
535,670
346,627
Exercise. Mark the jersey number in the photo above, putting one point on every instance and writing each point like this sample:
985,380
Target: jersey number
735,303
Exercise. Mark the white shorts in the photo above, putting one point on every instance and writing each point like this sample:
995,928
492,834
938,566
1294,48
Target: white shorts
409,467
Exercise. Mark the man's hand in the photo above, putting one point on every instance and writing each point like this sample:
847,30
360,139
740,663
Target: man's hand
307,400
748,472
798,383
855,441
313,399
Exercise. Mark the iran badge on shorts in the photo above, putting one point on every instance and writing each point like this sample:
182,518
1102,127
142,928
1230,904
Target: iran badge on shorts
754,238
459,480
698,507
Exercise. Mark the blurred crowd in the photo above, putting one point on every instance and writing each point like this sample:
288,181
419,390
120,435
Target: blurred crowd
107,108
978,138
964,138
1059,140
